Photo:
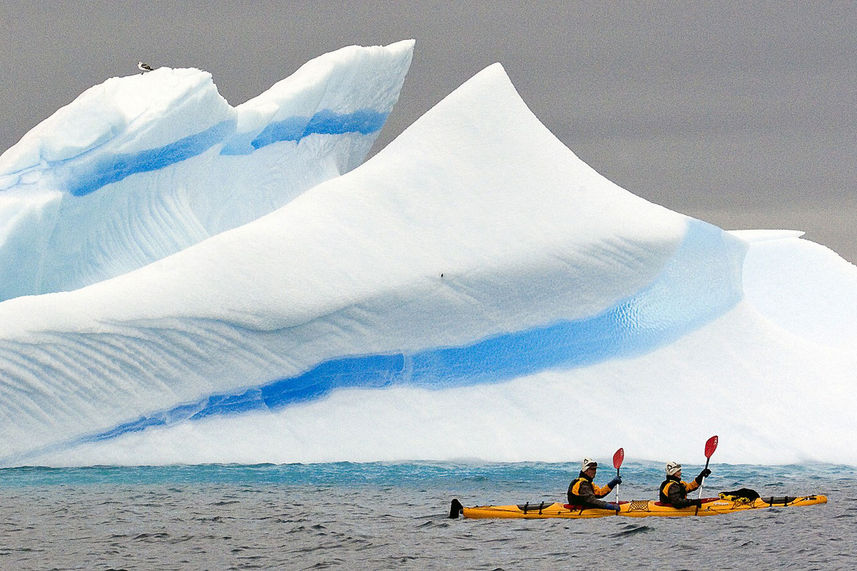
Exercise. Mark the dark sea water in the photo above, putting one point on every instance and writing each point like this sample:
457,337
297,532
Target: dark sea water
392,516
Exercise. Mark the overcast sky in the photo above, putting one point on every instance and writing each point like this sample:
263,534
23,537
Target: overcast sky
738,113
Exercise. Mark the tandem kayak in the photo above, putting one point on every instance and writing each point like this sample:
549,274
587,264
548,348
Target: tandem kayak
633,508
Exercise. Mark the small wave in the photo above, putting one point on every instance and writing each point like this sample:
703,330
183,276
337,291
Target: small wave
629,530
151,536
433,523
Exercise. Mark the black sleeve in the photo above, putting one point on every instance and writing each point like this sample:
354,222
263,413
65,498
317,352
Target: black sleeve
589,497
601,504
677,498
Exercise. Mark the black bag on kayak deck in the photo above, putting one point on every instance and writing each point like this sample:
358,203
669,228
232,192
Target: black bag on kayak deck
742,495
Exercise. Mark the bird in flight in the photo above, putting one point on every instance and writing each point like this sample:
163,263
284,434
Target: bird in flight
143,67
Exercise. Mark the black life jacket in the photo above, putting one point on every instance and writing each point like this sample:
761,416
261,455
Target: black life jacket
574,498
663,493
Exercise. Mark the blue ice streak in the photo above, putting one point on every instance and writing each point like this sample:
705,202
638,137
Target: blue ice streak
700,283
322,123
85,175
95,169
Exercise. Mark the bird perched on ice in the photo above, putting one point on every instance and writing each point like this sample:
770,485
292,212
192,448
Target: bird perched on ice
143,67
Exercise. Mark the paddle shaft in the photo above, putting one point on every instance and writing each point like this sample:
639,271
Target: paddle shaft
700,487
617,486
703,478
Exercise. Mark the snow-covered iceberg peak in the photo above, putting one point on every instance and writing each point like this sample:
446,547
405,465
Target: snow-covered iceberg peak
140,167
471,254
123,116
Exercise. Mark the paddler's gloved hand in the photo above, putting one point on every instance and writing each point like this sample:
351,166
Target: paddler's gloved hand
704,474
697,503
612,506
614,482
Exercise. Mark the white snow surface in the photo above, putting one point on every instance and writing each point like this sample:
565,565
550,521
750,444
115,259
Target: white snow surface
143,166
472,234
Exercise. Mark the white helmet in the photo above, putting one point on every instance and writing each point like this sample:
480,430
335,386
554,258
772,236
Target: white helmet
588,463
672,468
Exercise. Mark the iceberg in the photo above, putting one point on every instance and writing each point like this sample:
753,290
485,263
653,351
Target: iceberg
473,291
140,167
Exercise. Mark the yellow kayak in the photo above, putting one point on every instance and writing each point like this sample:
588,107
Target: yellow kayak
716,506
634,508
543,510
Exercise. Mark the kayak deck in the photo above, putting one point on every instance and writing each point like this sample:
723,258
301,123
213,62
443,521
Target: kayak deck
633,508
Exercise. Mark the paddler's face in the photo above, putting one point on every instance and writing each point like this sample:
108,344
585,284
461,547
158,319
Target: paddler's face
591,471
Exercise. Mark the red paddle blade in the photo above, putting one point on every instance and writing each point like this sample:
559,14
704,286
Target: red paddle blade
710,446
618,457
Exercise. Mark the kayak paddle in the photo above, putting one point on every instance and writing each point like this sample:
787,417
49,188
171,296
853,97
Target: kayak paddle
710,447
618,457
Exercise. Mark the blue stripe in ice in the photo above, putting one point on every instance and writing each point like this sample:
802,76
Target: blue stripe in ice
94,169
700,282
325,122
85,175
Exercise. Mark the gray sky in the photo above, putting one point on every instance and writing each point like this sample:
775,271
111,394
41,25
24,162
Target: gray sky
739,113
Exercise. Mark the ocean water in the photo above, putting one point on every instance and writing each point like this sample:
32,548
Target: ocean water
393,516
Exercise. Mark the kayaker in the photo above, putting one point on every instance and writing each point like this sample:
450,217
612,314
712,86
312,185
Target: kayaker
583,493
674,492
